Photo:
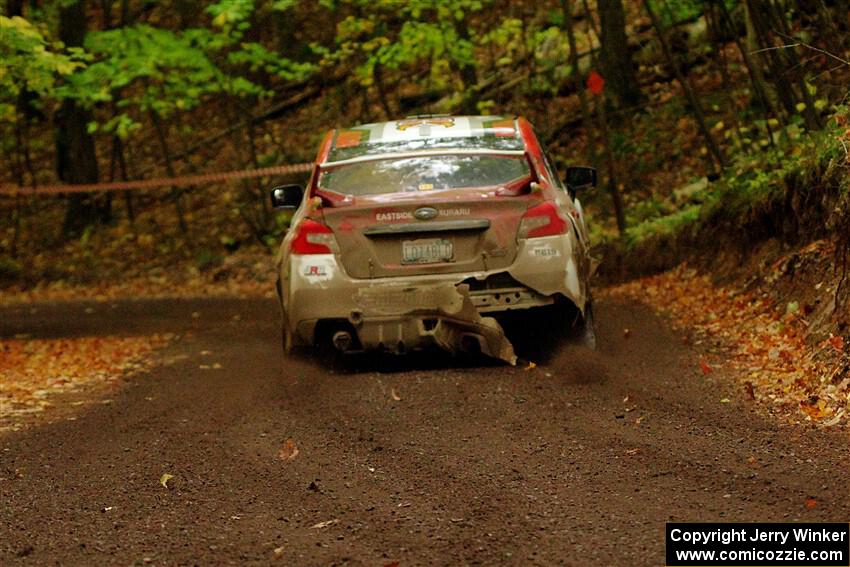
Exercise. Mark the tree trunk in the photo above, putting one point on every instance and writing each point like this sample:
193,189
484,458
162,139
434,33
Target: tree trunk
696,107
569,27
758,39
717,45
378,74
76,161
613,186
468,74
756,78
617,61
779,25
15,8
176,193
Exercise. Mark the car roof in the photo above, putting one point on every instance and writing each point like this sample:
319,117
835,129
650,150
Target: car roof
425,133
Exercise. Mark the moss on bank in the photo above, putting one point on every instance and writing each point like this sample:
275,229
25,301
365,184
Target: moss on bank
797,190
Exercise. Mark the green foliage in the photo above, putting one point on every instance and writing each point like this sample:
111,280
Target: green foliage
207,259
674,11
665,226
404,36
172,70
753,184
29,61
150,69
231,15
144,69
255,57
506,39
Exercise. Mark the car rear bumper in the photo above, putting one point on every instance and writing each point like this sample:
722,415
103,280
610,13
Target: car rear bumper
448,310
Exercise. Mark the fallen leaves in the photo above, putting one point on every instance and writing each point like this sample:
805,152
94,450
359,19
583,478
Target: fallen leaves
322,525
163,480
763,343
288,451
814,411
33,370
811,503
394,395
241,275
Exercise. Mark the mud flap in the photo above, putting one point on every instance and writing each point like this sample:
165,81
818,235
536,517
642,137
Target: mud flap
455,333
587,336
594,265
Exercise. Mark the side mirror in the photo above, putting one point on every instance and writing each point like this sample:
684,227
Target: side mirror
287,196
580,177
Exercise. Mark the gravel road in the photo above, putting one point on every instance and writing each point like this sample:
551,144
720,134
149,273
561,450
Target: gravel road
416,461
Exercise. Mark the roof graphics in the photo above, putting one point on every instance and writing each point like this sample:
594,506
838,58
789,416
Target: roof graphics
426,133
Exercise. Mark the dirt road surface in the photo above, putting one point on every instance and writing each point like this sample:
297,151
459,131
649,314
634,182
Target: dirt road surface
419,461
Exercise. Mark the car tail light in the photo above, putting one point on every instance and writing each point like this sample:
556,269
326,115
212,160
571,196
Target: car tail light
542,220
313,238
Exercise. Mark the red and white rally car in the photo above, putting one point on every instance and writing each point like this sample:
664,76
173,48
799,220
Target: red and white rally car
423,231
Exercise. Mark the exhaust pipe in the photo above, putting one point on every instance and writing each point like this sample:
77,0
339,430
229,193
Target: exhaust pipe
342,341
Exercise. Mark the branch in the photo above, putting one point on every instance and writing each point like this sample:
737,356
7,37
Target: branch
800,43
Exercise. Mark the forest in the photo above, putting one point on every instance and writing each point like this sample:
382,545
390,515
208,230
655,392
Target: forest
719,128
696,112
689,364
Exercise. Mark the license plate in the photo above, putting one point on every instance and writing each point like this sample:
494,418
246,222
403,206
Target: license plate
426,251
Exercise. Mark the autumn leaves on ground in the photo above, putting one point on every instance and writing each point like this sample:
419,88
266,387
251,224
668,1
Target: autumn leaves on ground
762,345
37,371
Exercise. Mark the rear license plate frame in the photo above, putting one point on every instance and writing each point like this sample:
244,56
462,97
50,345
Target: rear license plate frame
426,251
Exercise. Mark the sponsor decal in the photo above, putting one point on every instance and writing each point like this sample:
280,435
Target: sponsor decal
390,216
394,216
413,122
500,128
545,252
349,138
458,212
314,271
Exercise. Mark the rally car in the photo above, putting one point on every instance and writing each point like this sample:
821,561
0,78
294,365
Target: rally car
423,231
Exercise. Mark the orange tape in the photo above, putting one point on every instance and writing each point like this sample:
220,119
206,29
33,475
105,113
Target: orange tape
181,181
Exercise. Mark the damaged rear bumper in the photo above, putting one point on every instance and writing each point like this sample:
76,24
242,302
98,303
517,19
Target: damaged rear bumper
449,310
401,318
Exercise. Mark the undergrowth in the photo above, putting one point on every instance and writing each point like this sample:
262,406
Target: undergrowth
752,186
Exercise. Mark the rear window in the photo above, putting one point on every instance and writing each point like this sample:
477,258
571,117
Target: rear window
423,173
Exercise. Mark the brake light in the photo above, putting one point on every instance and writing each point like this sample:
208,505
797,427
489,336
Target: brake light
542,220
313,238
